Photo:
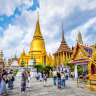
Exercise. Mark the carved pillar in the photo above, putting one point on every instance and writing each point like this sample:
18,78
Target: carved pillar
66,56
58,58
69,55
54,60
62,59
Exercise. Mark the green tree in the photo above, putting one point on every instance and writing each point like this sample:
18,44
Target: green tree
48,68
80,70
39,67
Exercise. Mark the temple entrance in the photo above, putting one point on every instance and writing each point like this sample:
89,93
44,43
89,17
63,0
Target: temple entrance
92,69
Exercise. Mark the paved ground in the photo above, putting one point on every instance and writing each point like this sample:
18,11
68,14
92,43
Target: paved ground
37,89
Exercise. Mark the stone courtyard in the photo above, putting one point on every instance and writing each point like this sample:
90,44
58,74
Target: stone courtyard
37,89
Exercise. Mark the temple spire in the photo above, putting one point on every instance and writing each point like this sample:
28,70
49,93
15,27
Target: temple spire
15,55
63,39
37,30
80,38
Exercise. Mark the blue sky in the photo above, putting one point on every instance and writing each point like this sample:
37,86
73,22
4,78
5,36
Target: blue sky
18,20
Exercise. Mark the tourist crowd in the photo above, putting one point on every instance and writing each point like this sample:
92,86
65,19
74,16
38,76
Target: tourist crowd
6,77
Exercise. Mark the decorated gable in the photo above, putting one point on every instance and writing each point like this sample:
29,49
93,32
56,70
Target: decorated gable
79,54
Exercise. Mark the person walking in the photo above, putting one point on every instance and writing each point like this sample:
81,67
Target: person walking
4,80
40,76
10,80
37,77
44,79
59,79
23,82
54,76
63,78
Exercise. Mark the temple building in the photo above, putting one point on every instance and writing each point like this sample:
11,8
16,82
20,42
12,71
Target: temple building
92,71
37,50
63,52
81,55
1,59
10,61
15,63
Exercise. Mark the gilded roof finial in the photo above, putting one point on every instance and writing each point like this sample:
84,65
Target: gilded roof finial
37,15
23,51
93,42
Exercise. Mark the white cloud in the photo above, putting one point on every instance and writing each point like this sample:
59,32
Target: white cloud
83,29
11,38
8,7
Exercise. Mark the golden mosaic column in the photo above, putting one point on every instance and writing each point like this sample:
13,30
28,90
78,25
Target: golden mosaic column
66,56
69,55
58,58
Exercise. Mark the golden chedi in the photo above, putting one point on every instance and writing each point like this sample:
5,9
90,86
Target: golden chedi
37,49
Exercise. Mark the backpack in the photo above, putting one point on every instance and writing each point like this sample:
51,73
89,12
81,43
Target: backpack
12,79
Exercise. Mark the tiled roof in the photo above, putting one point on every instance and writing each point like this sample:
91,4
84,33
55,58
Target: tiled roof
83,60
87,49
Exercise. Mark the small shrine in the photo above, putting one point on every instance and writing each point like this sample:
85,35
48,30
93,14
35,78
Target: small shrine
15,63
92,72
81,55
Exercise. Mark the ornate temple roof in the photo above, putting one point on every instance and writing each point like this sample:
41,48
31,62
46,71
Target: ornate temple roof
87,49
63,46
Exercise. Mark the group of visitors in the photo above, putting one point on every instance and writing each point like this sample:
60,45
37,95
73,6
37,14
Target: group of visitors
6,77
41,77
61,76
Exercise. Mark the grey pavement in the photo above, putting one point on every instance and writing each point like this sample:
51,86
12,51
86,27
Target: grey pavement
37,89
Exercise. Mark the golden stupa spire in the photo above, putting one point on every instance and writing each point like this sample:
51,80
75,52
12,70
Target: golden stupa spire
37,30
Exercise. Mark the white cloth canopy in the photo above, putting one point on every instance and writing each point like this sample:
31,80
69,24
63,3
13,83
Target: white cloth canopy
30,63
15,64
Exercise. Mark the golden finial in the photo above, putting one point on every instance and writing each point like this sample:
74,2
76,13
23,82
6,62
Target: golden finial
93,42
37,15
